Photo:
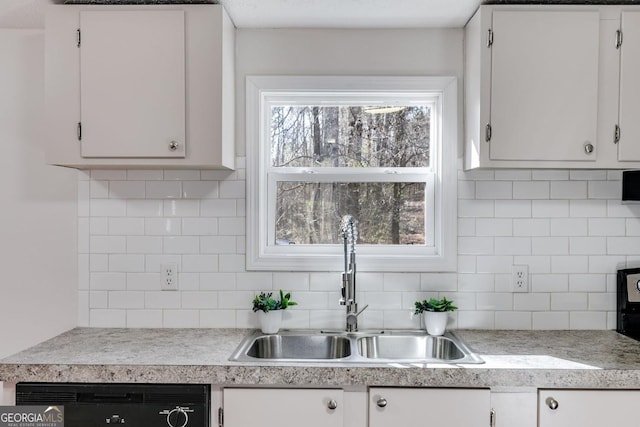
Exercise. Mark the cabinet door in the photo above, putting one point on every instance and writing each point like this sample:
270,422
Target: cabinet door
393,407
588,408
283,407
544,85
629,144
132,83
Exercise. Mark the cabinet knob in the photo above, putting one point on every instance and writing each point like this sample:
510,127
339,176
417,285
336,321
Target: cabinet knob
382,402
588,148
173,145
551,403
332,404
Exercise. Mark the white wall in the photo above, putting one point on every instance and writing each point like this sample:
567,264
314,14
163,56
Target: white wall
38,214
568,226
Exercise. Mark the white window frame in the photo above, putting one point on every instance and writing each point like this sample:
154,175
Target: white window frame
440,251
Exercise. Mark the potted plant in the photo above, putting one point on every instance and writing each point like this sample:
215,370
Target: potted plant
435,313
270,310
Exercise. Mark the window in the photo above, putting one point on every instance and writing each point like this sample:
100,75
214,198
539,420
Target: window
380,149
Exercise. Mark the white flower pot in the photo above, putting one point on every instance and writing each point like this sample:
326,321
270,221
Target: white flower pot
270,322
435,321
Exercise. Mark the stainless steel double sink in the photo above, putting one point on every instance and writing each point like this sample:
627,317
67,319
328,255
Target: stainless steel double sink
387,346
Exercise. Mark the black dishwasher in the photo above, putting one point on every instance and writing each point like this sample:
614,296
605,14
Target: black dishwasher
131,405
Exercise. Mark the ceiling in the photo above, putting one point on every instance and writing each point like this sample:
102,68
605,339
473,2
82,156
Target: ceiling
292,13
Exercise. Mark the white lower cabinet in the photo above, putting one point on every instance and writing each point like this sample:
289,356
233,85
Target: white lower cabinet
588,408
394,407
268,407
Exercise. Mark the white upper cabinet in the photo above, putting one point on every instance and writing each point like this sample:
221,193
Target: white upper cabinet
140,86
629,136
114,123
543,88
544,85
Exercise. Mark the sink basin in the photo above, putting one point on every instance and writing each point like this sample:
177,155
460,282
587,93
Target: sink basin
409,347
309,346
389,346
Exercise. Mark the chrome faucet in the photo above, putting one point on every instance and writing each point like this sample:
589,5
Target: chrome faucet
349,233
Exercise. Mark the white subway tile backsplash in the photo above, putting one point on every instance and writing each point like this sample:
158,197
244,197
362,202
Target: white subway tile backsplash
162,226
587,208
513,175
588,320
512,245
199,300
200,189
127,190
587,245
107,244
550,245
218,281
531,302
549,175
144,318
218,244
531,190
181,318
125,226
494,227
552,320
550,283
513,208
513,320
531,227
605,190
107,207
126,263
144,208
145,175
181,175
232,263
401,281
182,208
200,263
568,190
181,245
494,190
549,208
494,301
99,226
587,283
126,299
568,227
99,189
163,189
199,226
218,208
107,318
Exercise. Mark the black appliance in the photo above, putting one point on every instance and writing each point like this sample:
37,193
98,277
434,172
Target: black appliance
132,405
628,302
631,186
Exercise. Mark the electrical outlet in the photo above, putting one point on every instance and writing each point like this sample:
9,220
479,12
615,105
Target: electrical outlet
520,278
169,276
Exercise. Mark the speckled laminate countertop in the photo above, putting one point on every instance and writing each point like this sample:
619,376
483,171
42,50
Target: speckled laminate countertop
588,359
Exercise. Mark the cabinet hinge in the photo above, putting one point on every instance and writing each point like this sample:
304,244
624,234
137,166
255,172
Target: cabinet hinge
618,39
492,418
79,131
489,37
78,37
616,135
487,133
220,417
